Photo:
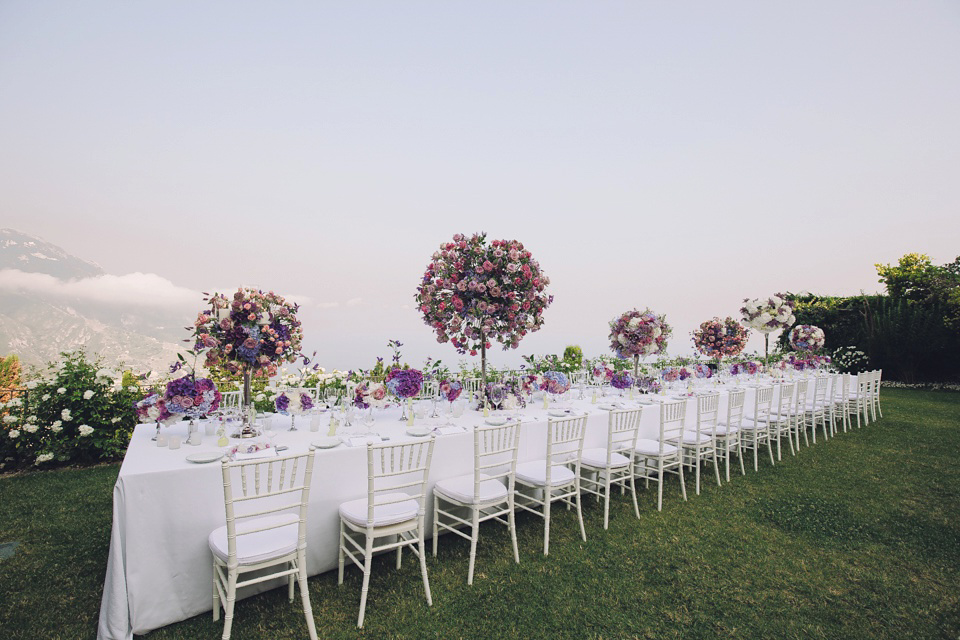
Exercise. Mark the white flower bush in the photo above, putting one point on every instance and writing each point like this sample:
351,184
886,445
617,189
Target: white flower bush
85,430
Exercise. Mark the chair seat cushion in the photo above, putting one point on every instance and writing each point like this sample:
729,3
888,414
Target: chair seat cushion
652,448
262,545
723,430
535,473
690,437
355,511
461,489
597,458
750,425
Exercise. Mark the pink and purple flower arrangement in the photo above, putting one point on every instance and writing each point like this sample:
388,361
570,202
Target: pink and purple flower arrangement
719,339
639,333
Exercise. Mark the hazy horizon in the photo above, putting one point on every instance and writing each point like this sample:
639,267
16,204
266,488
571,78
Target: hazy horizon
678,157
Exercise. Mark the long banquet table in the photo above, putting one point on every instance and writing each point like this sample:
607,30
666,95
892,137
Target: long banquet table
159,568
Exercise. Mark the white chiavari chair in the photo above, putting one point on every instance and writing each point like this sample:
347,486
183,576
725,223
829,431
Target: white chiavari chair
728,430
230,400
755,426
699,444
610,466
552,476
393,511
266,510
487,492
653,458
816,408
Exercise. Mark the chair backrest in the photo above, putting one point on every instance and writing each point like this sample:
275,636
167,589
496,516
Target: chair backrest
577,377
622,429
428,390
820,390
735,402
800,404
565,442
265,487
841,387
785,398
708,411
495,455
863,385
473,385
672,416
230,400
876,382
764,400
397,472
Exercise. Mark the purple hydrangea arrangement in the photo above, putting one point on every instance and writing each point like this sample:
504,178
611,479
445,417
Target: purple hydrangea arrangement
622,380
555,382
191,396
404,383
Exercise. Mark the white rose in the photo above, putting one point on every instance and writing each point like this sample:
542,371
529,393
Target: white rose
30,428
65,414
45,397
44,457
89,393
764,318
56,428
14,433
791,320
56,423
622,338
85,430
777,300
656,332
62,390
752,307
634,323
259,397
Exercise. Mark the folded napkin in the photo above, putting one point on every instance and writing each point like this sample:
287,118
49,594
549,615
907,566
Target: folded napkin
445,431
256,455
361,441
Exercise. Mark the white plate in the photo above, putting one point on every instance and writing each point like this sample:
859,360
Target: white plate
645,401
419,432
206,456
497,421
326,443
560,413
609,407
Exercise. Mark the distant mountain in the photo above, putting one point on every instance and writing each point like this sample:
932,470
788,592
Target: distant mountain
37,326
33,255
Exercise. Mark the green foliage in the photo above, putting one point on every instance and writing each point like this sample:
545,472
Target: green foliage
10,372
574,355
72,413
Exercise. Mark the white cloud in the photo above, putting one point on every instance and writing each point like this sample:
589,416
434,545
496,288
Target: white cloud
139,289
352,302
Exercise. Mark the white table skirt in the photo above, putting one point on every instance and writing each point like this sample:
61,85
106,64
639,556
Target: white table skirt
159,568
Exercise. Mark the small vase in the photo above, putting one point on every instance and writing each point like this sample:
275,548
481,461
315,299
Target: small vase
293,422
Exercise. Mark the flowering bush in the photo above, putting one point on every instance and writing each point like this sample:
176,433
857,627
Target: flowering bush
252,332
71,411
850,360
807,337
768,314
719,339
639,333
473,292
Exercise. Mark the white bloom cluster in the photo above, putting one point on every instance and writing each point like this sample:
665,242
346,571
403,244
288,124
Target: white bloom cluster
65,415
9,419
14,433
85,430
32,384
89,393
62,390
44,457
30,428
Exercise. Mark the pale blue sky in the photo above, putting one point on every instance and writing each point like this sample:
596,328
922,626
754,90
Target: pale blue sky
680,156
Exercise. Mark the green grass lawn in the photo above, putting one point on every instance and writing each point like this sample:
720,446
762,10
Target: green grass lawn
858,537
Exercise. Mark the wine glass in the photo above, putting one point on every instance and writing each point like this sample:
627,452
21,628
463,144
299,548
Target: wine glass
497,394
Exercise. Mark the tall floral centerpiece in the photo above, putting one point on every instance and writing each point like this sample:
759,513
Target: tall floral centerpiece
767,315
719,339
249,333
474,292
807,337
639,333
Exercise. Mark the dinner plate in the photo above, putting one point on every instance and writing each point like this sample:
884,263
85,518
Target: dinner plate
326,443
609,407
419,432
496,421
560,413
206,456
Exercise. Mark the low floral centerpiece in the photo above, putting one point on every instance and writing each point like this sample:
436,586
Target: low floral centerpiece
191,396
639,334
807,337
293,404
404,384
622,380
368,395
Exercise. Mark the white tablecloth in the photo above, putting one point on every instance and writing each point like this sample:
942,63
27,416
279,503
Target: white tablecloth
159,568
